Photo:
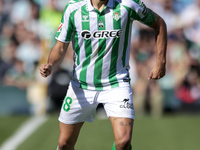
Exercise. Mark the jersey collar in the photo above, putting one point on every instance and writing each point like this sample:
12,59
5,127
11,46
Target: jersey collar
109,4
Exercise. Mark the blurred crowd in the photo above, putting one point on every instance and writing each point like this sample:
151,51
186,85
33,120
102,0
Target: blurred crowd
28,27
180,88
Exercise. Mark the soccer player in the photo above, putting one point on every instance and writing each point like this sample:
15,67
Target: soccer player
100,31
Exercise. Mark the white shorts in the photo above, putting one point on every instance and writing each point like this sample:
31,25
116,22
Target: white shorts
80,105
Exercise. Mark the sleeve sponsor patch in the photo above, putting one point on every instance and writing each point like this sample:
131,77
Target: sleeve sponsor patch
60,27
143,11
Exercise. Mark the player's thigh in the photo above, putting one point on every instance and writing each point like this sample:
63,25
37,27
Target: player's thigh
78,106
69,132
122,128
118,102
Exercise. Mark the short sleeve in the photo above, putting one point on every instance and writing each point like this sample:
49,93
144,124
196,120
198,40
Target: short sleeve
65,29
139,11
146,15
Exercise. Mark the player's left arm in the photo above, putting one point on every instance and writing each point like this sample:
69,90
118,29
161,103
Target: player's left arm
160,29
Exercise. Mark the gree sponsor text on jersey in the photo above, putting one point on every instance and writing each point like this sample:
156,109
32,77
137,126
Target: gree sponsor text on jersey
100,34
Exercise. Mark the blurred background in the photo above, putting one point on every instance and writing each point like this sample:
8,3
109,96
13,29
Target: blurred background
27,31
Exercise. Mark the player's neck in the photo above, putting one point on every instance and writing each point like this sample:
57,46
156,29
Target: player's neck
99,4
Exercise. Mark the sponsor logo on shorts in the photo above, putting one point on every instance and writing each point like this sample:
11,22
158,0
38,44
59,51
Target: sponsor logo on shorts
126,104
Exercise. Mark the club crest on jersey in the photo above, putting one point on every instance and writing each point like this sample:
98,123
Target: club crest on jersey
85,18
60,27
116,16
101,25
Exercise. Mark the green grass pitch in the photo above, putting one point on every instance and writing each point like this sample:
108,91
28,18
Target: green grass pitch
166,133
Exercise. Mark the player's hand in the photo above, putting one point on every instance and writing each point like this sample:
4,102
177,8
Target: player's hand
157,72
45,70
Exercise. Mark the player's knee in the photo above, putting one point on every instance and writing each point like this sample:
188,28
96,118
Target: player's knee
123,143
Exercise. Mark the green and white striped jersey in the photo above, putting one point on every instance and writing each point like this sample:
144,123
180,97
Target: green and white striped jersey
101,40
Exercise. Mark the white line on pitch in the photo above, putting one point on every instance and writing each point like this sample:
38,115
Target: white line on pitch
23,133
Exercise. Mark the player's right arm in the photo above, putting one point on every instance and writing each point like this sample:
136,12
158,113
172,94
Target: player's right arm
56,57
63,36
